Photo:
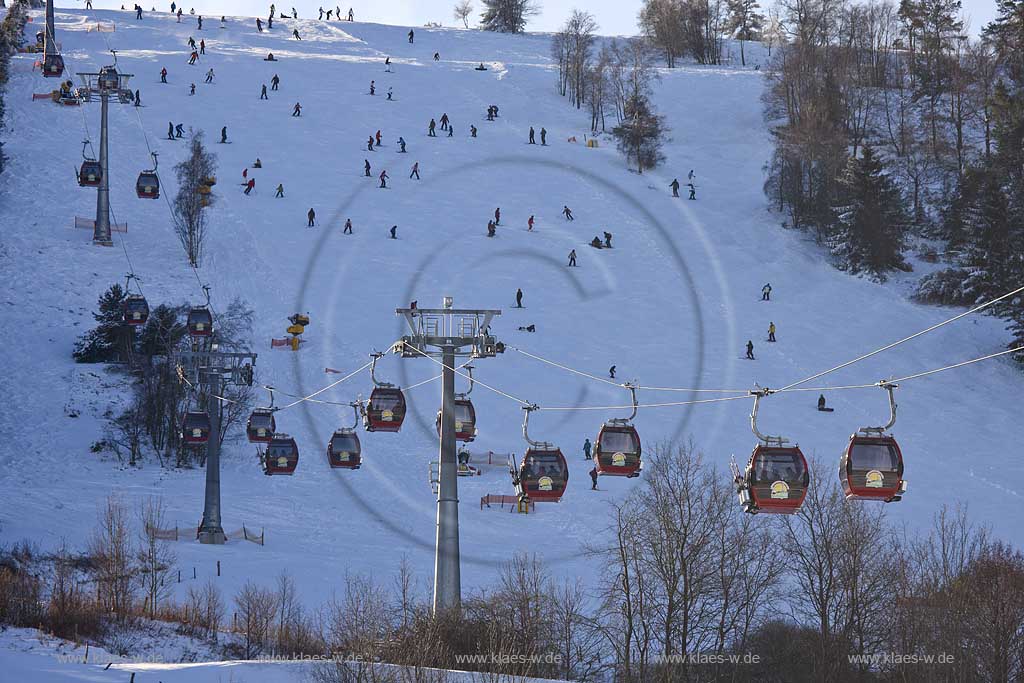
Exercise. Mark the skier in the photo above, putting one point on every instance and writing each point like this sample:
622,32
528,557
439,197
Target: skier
586,449
257,163
202,47
192,89
193,58
415,170
179,15
378,138
444,121
430,129
532,141
497,216
373,88
259,25
270,23
451,130
138,12
401,144
163,75
383,179
263,92
366,167
224,135
693,191
273,9
389,95
771,331
311,215
490,113
297,110
593,479
170,130
209,76
543,136
519,298
387,64
348,227
607,240
138,99
295,34
568,213
351,17
766,292
491,229
437,56
369,144
675,187
529,224
611,372
472,131
321,14
174,6
690,176
394,228
179,130
280,192
249,185
750,350
572,257
274,82
411,36
200,23
192,42
329,14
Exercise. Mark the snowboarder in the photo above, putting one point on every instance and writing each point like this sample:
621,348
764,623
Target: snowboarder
532,141
543,135
138,99
611,372
437,56
821,404
693,191
415,171
389,95
274,82
249,185
607,240
411,36
351,16
490,113
174,6
771,331
209,76
179,130
192,89
366,167
311,215
401,144
497,216
200,18
529,224
179,15
321,14
491,229
224,135
596,243
430,129
138,12
297,110
163,75
586,449
280,191
766,292
263,92
451,130
378,138
384,179
568,213
387,64
690,176
348,227
675,187
170,130
202,47
329,12
472,131
750,350
444,121
593,479
519,298
373,88
270,23
273,9
295,34
572,257
394,229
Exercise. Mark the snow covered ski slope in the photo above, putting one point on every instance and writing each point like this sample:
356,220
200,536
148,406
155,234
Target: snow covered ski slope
672,305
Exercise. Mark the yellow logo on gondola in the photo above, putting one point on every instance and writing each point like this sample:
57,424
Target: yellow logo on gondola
458,426
261,431
344,455
874,479
780,490
544,484
387,416
197,433
282,461
618,459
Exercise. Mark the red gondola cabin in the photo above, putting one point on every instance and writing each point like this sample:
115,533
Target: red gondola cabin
543,474
872,469
260,426
136,309
195,428
344,450
200,322
385,411
281,456
775,481
53,66
617,450
148,185
465,420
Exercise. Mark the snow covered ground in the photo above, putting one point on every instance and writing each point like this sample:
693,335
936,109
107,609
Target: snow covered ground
672,305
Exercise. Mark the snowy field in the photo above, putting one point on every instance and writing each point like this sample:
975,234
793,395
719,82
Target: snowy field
671,306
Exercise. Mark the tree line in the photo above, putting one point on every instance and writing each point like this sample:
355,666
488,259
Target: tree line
893,129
